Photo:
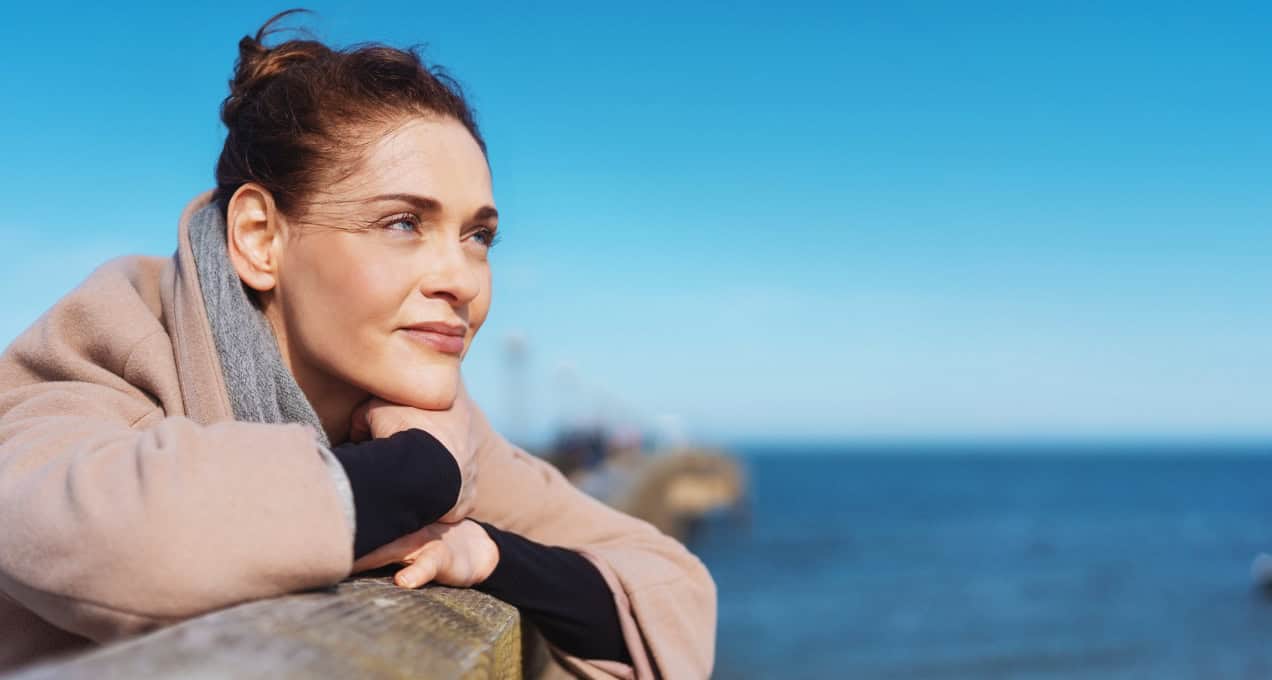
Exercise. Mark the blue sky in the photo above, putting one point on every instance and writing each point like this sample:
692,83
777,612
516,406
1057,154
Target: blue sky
886,220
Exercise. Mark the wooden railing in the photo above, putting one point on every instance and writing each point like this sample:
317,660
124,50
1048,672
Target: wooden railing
362,628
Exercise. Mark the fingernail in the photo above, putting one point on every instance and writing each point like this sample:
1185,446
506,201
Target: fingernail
408,582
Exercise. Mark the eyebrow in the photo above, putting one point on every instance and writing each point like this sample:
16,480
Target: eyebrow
432,205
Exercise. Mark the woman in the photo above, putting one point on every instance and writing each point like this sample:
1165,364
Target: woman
279,405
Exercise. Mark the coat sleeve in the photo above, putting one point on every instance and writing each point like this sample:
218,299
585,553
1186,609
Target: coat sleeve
665,597
116,523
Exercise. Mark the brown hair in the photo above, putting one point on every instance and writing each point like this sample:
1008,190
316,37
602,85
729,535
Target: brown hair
300,109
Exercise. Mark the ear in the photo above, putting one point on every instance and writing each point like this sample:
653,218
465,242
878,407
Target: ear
253,233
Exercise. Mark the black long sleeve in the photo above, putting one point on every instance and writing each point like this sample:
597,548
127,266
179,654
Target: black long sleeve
404,482
561,592
400,484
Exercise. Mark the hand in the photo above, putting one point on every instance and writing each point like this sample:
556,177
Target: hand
459,555
377,419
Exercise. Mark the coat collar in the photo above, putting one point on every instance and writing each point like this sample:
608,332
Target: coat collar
203,388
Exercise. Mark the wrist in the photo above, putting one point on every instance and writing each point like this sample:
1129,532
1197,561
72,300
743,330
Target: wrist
399,484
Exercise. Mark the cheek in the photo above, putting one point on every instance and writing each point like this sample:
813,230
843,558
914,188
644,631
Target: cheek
479,308
344,307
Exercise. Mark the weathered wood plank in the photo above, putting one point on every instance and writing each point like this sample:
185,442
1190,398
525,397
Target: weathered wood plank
361,628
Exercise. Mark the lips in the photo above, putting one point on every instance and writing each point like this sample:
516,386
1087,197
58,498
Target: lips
447,338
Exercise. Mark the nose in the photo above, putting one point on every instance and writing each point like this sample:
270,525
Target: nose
451,276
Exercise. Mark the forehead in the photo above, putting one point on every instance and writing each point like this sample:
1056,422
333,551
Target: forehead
434,158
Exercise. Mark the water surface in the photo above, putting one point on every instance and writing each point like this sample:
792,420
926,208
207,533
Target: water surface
972,564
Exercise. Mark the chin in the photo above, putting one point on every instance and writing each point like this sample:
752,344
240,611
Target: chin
432,389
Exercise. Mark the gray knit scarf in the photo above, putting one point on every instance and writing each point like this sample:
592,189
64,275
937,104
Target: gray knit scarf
261,388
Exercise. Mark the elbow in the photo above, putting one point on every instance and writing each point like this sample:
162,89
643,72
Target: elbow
694,633
677,621
701,580
704,591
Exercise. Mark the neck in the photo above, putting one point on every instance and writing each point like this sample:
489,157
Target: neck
334,400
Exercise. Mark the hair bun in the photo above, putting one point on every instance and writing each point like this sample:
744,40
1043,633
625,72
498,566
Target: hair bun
257,64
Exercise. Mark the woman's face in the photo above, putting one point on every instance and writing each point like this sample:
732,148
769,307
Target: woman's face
383,281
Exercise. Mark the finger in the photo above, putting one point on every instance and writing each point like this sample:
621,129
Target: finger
359,422
375,559
392,552
433,558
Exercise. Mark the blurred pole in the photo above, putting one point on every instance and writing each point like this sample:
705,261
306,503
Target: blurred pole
516,389
569,402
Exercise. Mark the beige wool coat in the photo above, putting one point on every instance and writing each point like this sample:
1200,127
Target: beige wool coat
131,499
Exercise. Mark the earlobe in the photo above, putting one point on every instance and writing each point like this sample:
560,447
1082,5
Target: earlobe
250,234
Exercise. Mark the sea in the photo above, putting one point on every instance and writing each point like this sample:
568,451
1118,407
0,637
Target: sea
1003,561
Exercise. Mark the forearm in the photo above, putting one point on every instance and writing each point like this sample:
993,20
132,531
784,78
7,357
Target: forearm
106,527
400,483
561,592
666,599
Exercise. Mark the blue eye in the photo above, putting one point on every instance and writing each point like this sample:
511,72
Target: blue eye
486,237
403,224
